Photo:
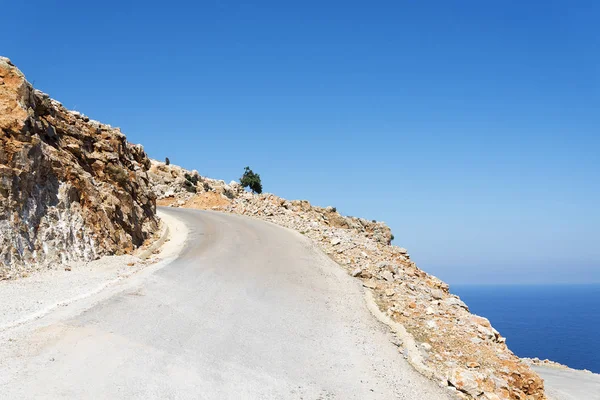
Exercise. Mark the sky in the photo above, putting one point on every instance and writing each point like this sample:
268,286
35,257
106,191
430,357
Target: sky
472,128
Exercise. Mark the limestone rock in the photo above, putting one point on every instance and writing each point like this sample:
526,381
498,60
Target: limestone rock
387,275
455,301
70,188
465,381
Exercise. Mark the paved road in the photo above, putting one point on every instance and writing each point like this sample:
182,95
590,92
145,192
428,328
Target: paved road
248,311
562,384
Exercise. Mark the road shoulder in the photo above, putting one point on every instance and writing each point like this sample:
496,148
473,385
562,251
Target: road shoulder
569,384
28,299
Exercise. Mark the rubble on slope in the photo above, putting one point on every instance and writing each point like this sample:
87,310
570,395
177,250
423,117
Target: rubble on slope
551,364
71,189
459,349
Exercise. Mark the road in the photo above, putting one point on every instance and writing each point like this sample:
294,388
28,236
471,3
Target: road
249,310
564,384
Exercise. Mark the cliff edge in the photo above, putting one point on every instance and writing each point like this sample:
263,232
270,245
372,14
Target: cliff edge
71,189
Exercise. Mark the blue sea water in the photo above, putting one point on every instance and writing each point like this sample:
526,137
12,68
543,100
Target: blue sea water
558,322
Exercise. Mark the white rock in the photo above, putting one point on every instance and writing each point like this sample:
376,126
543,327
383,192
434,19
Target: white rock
388,276
455,301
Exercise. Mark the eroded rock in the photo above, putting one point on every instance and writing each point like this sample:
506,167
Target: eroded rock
70,188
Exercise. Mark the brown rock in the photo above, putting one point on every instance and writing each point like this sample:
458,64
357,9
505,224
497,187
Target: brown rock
70,188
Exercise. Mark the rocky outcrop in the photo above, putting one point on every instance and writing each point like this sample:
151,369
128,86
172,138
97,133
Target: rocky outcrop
70,188
444,340
173,184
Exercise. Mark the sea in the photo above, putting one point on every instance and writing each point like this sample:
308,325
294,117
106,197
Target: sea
557,322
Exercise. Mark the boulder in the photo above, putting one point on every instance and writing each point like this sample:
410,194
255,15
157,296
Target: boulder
465,381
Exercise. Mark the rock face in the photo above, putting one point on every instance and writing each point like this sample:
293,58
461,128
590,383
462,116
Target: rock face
172,183
70,188
447,343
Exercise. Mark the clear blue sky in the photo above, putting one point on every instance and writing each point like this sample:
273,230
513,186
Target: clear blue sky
471,127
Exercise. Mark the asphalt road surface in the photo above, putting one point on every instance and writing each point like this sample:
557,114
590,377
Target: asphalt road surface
248,310
564,384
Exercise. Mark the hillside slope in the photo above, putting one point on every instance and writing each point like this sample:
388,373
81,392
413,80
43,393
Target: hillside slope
70,188
443,340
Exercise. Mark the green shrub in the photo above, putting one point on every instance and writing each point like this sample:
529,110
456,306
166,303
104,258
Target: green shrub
190,182
189,187
251,180
117,174
193,179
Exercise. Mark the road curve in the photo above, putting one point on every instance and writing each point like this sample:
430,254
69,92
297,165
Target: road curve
249,310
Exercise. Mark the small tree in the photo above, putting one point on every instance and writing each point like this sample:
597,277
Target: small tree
251,180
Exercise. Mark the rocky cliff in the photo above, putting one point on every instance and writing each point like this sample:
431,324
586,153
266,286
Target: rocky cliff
70,188
440,337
